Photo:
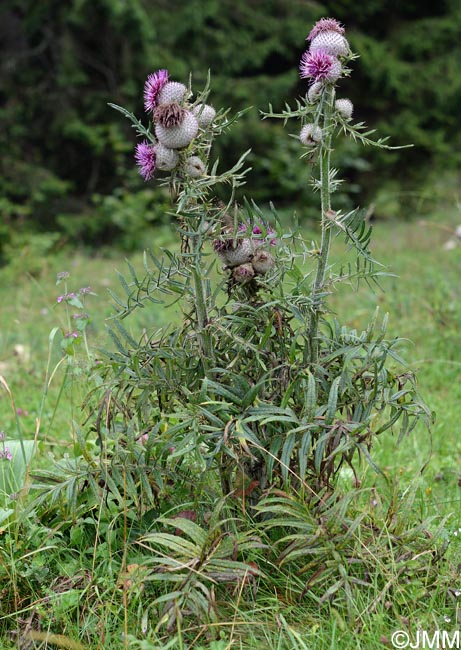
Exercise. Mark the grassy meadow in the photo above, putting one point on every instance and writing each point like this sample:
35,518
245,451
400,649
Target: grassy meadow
41,398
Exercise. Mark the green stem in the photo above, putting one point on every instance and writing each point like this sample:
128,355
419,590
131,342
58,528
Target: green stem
203,334
322,262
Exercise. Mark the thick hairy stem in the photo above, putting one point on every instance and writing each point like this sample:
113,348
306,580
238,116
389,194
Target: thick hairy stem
204,338
322,262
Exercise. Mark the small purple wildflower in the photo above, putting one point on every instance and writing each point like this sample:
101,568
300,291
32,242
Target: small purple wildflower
145,159
66,296
325,25
62,275
84,290
152,88
319,66
20,411
6,454
71,335
2,436
83,316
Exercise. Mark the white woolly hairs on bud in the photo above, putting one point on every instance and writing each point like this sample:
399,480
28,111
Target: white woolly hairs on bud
314,92
172,91
310,135
344,107
194,167
236,255
262,262
205,114
331,42
179,136
165,159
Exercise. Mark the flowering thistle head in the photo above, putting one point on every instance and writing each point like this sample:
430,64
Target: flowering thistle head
145,159
325,25
319,66
152,88
169,114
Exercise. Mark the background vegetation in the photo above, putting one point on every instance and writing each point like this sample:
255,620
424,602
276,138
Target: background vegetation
67,172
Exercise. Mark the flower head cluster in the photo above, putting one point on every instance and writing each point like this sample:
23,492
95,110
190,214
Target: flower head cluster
320,62
176,124
245,256
322,65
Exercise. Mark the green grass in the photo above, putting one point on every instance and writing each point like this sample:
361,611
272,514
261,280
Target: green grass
424,308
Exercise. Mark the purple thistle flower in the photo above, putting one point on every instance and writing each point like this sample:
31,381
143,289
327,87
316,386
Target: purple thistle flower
319,66
152,88
262,229
325,25
145,159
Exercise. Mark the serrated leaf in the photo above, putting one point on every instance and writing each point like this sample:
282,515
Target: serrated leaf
332,401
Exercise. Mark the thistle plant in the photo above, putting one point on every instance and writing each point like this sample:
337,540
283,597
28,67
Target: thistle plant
275,390
258,396
258,385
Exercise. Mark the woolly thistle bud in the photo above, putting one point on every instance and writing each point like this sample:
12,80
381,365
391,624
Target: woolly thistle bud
314,92
310,135
262,262
344,107
325,25
234,253
330,42
205,114
169,114
173,91
243,273
179,136
194,167
166,159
